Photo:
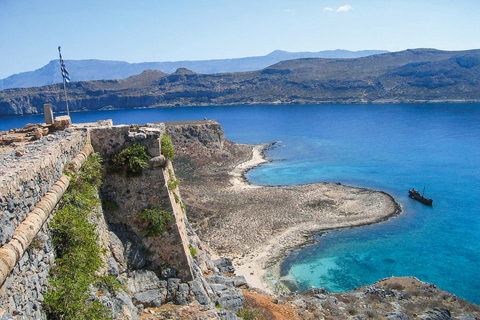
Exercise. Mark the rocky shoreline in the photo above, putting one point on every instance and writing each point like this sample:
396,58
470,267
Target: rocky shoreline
258,226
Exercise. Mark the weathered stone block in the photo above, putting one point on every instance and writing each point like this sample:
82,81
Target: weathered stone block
172,287
62,122
112,267
150,298
239,281
219,289
224,265
182,294
143,280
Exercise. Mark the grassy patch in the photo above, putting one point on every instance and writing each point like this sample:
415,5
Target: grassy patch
249,314
78,253
172,184
193,252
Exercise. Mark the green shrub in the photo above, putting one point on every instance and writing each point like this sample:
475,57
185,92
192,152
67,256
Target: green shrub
177,198
249,314
172,184
193,252
133,159
167,147
112,285
78,253
156,219
90,171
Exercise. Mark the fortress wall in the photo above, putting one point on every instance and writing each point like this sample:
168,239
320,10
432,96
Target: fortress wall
30,172
26,181
31,183
132,194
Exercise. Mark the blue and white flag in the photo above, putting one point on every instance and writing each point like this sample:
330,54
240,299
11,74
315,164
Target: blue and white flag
65,75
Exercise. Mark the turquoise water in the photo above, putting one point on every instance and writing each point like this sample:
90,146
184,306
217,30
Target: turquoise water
387,147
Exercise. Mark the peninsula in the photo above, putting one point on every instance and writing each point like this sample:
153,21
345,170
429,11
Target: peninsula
259,225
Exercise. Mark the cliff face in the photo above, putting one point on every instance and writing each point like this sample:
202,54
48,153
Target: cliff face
421,75
204,174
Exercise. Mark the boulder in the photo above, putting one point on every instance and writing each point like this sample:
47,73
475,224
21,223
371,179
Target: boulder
232,299
239,281
224,265
199,293
219,289
143,280
182,294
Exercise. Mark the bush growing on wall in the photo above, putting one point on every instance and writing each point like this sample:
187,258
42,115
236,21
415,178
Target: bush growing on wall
78,253
133,159
167,147
156,220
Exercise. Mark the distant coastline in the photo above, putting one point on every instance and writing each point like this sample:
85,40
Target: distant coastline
410,76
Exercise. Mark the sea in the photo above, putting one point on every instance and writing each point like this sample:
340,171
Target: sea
434,148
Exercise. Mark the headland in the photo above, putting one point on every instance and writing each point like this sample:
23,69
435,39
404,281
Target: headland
258,226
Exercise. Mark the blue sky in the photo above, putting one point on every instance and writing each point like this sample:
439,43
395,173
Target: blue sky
148,30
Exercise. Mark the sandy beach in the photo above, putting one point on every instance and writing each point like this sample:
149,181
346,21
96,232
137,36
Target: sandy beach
258,226
346,207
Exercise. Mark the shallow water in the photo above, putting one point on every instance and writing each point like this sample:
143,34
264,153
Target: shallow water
386,147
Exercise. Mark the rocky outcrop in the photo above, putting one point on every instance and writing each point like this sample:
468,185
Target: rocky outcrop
396,298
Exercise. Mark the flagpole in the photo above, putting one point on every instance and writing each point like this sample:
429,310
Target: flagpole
65,77
66,99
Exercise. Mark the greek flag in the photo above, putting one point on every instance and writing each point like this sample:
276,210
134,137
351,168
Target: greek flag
65,75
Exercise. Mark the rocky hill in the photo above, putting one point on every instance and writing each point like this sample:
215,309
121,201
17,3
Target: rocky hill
85,70
411,76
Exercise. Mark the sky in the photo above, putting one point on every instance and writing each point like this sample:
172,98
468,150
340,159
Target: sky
166,30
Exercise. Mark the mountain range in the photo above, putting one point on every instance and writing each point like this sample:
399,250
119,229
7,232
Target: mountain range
85,70
410,76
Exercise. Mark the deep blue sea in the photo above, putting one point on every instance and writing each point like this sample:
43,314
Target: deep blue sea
387,147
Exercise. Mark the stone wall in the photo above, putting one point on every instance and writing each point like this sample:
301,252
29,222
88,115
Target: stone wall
29,173
156,270
131,194
26,176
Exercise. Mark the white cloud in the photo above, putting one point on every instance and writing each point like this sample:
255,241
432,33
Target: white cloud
345,8
327,9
